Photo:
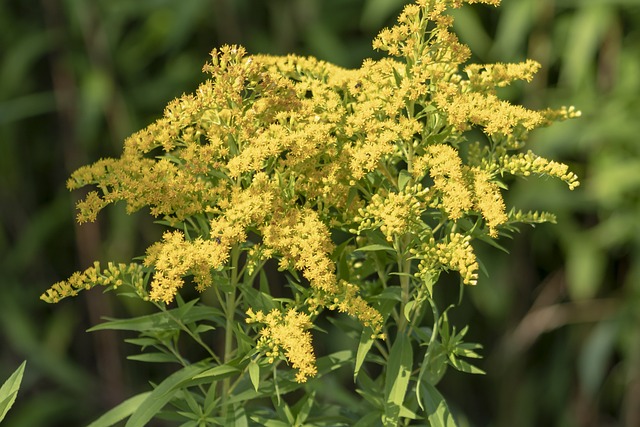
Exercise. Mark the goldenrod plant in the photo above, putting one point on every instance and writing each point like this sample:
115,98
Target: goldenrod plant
360,186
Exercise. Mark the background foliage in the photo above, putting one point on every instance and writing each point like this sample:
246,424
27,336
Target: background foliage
559,315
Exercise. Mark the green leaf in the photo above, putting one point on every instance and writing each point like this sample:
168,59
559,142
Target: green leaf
387,300
219,372
120,412
490,241
142,342
237,418
303,408
268,422
463,366
366,341
397,378
204,328
153,358
439,137
194,407
210,400
436,407
264,283
245,342
403,274
9,390
259,299
390,293
434,364
403,179
371,391
466,349
397,76
162,321
285,381
407,309
371,419
428,281
162,394
334,361
283,410
254,374
375,247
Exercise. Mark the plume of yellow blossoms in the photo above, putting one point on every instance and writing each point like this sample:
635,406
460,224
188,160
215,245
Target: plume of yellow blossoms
174,258
290,149
285,334
115,275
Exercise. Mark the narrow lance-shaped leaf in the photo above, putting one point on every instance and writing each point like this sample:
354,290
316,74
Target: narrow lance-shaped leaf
120,412
397,379
254,374
435,406
9,390
366,341
162,394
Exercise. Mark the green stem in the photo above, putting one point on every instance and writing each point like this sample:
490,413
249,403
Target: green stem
229,312
404,268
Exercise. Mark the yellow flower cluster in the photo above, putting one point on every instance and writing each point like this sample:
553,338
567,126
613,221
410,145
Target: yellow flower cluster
487,77
346,300
113,276
488,200
445,168
242,208
411,35
454,253
461,188
487,110
174,257
525,164
305,244
563,113
163,184
394,214
286,333
290,149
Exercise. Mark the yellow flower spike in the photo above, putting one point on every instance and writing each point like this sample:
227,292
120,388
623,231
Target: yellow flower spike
526,163
488,200
445,168
487,77
395,214
304,242
287,332
173,258
453,253
113,275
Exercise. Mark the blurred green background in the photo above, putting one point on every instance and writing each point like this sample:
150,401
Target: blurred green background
559,316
